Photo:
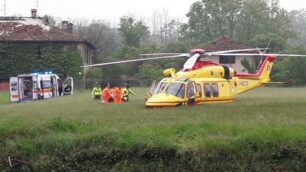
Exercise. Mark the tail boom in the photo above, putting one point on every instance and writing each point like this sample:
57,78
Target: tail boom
246,82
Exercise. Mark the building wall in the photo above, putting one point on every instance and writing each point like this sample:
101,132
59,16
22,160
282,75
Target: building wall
86,53
237,66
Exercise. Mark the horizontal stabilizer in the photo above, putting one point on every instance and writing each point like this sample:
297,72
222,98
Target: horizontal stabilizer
289,82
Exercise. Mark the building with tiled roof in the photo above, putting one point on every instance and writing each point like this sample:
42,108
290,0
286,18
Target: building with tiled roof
21,29
38,32
225,43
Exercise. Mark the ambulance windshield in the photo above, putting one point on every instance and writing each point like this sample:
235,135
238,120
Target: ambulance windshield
46,84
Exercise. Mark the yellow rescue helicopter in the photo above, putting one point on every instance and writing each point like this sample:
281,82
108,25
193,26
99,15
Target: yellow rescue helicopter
203,81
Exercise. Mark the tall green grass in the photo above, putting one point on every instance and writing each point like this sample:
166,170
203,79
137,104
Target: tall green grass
261,124
4,97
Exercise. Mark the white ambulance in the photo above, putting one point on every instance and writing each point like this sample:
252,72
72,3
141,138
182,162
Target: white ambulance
36,86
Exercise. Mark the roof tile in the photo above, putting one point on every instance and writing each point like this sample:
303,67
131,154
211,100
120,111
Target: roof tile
27,31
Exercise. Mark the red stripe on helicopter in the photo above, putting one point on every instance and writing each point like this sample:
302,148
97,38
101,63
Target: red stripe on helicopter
269,58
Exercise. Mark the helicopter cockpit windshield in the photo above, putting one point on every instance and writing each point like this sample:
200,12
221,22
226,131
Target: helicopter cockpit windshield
176,89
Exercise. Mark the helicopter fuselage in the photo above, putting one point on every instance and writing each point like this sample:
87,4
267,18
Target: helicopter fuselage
211,83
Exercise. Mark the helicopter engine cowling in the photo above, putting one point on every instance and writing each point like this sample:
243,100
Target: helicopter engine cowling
169,72
209,72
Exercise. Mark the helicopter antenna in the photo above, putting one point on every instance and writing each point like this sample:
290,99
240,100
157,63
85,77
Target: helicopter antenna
268,45
264,52
37,5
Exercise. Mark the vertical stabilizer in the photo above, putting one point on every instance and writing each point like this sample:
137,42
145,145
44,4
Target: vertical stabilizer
265,69
246,82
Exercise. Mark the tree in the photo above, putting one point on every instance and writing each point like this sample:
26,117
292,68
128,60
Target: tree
291,68
252,21
105,38
132,31
165,32
298,19
210,19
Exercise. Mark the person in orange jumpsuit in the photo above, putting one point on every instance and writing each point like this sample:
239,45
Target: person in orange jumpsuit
118,95
106,94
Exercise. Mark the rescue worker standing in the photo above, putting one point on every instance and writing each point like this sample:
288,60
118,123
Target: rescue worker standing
126,91
96,92
106,94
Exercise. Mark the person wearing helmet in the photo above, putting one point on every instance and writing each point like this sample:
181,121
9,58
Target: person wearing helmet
96,92
126,91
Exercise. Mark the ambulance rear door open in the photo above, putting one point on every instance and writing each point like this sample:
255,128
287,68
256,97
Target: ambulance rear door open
68,86
35,88
14,89
25,87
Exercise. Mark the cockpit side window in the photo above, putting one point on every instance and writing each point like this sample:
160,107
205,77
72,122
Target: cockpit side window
191,90
215,89
181,92
153,87
199,89
207,90
160,87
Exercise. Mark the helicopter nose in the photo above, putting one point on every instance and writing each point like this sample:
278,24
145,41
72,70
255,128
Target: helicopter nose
163,100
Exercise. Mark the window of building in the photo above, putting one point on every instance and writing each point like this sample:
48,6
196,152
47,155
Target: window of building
227,59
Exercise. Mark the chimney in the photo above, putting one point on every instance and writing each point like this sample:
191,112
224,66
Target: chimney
70,27
33,13
46,20
67,27
64,25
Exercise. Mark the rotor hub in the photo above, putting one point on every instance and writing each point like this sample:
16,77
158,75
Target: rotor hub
197,51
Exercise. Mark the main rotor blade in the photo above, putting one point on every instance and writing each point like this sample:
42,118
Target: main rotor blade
252,54
160,54
232,51
136,60
207,53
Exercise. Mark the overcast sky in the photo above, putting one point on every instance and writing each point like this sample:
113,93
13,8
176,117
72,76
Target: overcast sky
110,10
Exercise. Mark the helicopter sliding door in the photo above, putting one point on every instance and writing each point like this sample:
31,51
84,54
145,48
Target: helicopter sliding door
193,95
216,92
211,90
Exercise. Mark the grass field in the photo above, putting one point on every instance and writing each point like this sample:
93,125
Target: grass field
4,98
263,130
